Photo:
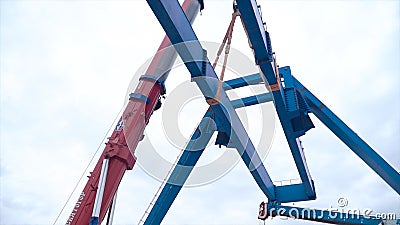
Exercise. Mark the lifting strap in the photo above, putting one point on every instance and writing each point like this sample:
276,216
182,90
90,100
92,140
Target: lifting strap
226,42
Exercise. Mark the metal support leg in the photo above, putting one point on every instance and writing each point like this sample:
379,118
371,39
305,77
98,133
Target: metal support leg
171,17
182,170
260,42
351,139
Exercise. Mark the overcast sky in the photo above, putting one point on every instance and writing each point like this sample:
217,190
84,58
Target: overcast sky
65,67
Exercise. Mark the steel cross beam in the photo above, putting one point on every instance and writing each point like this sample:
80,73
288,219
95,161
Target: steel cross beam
242,81
260,43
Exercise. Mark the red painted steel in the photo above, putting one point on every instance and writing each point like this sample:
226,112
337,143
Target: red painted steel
123,142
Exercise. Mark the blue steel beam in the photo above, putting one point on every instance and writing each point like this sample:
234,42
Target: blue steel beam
242,81
254,27
172,18
198,142
185,41
344,133
253,24
252,100
170,15
351,139
291,193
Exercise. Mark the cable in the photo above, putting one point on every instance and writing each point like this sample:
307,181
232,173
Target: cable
90,162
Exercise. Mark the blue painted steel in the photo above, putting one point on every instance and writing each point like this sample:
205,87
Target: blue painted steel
325,216
139,97
242,81
170,15
94,220
252,100
151,77
250,15
160,80
288,91
351,139
299,120
252,22
181,172
287,104
291,193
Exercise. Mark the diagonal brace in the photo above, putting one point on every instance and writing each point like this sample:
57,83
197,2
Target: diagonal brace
351,139
182,170
170,15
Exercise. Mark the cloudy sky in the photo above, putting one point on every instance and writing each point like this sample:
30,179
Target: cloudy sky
65,67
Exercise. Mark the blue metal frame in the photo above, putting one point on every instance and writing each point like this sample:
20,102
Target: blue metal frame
182,170
343,132
257,35
292,101
177,27
350,138
199,140
172,18
181,34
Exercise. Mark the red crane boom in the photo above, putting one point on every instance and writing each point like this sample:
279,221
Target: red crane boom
121,145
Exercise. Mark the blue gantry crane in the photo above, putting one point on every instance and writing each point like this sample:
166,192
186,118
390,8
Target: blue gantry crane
292,100
293,103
